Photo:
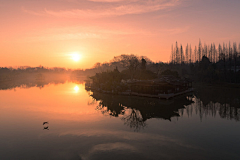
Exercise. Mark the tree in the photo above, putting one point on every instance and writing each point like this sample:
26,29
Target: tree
143,64
181,55
173,55
210,53
199,50
134,120
195,53
186,54
190,54
235,54
219,52
130,62
214,53
97,66
177,54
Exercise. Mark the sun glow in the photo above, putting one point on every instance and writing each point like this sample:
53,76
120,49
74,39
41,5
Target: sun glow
76,89
76,56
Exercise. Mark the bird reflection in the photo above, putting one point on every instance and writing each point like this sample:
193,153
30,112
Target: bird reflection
45,128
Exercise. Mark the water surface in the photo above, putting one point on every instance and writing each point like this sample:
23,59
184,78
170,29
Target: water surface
83,125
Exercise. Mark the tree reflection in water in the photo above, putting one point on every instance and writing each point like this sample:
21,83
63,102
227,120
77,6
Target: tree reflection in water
113,108
134,120
215,100
224,110
135,111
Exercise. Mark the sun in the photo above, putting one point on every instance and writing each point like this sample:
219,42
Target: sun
76,88
76,56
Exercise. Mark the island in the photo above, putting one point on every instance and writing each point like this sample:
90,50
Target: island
139,82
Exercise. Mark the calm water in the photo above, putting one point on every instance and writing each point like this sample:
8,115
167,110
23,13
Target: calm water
85,126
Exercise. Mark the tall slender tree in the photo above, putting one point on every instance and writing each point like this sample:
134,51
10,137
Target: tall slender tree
186,54
177,54
219,52
199,50
195,53
181,55
172,55
190,54
214,53
235,54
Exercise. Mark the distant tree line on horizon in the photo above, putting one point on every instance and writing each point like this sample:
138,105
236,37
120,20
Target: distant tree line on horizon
34,69
202,63
40,76
208,63
227,52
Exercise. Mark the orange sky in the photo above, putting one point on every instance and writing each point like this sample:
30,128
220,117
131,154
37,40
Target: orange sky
34,32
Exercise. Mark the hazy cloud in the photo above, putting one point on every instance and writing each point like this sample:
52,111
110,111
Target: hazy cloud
178,30
123,7
80,32
32,12
113,0
63,36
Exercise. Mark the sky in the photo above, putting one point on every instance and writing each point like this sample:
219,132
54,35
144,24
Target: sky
49,32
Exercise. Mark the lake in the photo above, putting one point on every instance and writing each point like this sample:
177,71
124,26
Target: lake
85,125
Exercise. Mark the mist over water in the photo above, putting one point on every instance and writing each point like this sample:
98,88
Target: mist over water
88,125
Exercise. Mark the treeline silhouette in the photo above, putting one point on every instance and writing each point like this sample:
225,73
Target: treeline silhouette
26,77
130,63
208,63
203,63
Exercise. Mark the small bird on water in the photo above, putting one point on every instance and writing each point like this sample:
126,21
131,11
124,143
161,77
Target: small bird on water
45,123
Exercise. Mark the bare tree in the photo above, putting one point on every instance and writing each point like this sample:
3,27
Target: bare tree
186,54
177,54
235,55
230,56
199,50
211,53
195,53
214,53
219,52
172,55
134,120
130,62
181,55
190,54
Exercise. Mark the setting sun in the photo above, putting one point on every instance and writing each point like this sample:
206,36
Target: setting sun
76,56
76,88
